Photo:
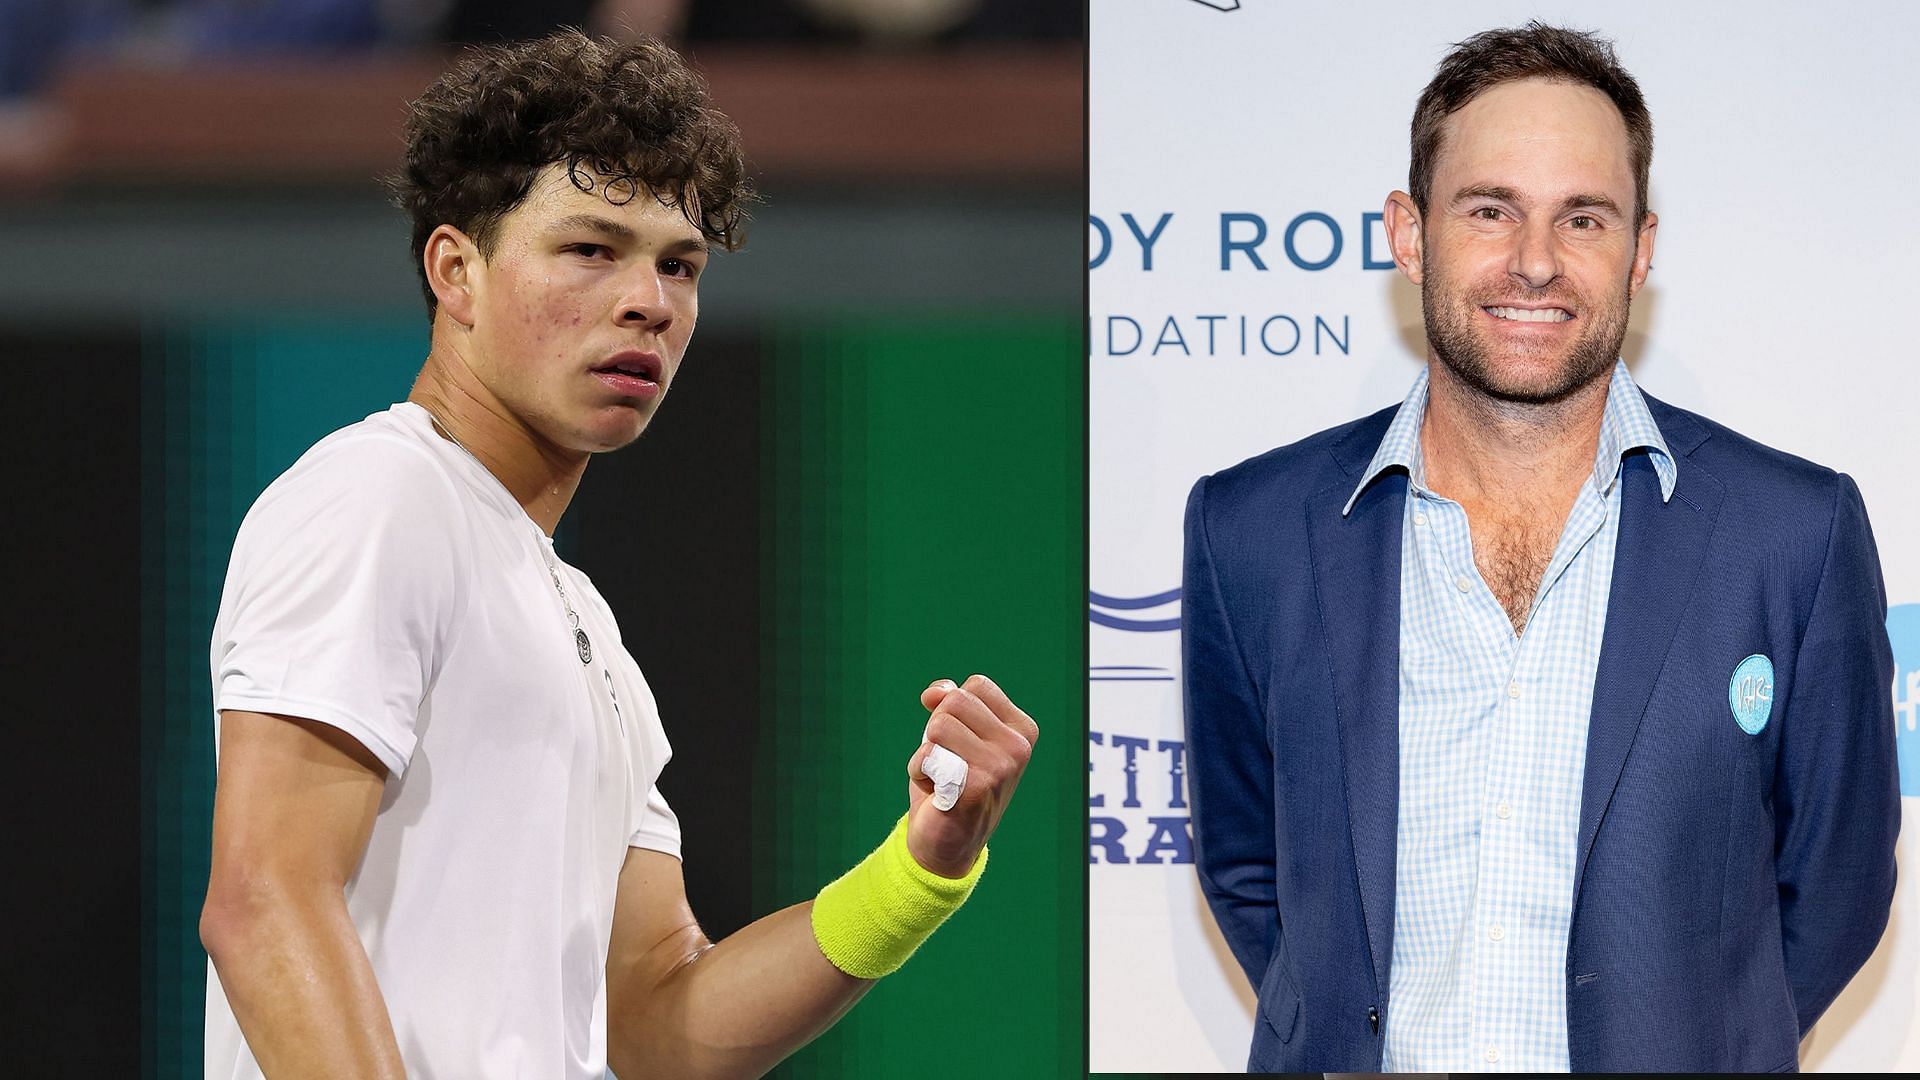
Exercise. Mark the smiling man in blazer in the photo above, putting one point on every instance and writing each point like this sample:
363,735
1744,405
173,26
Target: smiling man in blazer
1536,724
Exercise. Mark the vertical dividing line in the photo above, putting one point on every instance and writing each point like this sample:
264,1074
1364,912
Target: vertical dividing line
1072,1013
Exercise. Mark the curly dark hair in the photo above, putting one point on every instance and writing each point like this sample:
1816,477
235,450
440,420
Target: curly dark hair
1535,50
632,116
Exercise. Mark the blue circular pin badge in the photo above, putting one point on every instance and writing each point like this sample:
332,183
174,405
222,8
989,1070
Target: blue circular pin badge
1750,693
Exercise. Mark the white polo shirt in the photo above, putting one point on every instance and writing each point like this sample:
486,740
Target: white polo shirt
389,586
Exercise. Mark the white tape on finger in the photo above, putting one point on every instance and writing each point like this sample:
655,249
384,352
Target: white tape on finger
948,771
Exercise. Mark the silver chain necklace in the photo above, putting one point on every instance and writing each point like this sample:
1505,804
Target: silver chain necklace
581,643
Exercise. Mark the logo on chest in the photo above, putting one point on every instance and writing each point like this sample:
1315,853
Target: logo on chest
1750,693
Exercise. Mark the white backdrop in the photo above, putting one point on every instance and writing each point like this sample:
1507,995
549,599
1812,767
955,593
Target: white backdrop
1787,143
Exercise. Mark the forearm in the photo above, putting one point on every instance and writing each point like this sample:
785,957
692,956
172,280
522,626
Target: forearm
732,1009
678,1005
302,989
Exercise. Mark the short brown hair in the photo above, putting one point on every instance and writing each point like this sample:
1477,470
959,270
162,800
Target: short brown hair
1533,51
634,114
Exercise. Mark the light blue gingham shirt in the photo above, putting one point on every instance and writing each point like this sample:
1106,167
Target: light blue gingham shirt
1493,744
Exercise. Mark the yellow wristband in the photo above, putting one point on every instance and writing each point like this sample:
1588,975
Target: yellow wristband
870,920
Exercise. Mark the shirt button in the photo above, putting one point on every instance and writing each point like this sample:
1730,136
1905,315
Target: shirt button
1513,690
1503,811
1463,583
1497,932
1493,1054
1419,519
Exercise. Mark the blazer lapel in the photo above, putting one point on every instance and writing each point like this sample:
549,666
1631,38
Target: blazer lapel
1656,561
1356,570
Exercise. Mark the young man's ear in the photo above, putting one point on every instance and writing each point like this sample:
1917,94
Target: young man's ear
452,260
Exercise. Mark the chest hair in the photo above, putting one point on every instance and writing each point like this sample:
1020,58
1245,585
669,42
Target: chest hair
1512,555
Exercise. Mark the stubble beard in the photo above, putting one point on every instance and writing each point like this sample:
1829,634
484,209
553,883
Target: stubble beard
1450,317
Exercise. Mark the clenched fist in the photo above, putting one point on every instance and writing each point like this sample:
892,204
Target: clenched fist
978,722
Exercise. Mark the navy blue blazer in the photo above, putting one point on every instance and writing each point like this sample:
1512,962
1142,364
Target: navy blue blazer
1727,885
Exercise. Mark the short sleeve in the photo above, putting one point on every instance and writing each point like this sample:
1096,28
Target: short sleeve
659,829
342,591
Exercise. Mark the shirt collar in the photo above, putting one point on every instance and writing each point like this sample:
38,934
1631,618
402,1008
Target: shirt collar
1400,447
1626,425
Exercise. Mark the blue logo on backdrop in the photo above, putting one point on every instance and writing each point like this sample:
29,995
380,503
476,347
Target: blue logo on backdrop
1146,820
1128,673
1139,617
1311,240
1903,627
1153,774
1234,242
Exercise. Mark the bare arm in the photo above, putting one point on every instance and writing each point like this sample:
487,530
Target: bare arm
680,1005
699,1009
292,811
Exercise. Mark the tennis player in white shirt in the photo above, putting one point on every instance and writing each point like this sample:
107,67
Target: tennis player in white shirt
438,847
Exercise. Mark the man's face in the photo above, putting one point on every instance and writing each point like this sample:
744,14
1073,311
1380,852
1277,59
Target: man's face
1528,247
577,288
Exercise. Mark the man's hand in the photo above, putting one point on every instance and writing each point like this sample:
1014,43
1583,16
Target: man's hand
680,1005
995,739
